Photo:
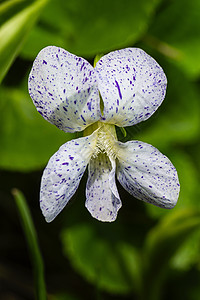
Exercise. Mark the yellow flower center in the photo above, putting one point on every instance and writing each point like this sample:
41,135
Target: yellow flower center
106,138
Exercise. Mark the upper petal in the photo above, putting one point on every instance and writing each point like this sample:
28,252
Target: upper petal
63,173
147,174
132,86
102,198
64,89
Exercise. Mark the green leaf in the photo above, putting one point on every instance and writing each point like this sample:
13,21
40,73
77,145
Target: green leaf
9,8
27,140
14,32
188,254
175,33
162,242
87,28
32,242
109,264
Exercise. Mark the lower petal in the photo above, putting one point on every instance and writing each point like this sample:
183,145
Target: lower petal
63,173
147,174
102,198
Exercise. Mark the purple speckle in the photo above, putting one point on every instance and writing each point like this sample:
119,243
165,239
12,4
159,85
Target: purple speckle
82,66
89,105
119,91
83,118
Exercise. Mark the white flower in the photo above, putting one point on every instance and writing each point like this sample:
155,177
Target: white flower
67,91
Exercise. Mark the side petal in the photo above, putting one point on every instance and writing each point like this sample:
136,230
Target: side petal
102,198
132,86
147,174
64,89
63,173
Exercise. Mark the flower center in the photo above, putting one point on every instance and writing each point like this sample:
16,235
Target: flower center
106,138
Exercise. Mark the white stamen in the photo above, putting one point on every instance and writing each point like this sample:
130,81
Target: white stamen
105,142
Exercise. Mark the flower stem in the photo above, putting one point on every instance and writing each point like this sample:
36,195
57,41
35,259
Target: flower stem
31,238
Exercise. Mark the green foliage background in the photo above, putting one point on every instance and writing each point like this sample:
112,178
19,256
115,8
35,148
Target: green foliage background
148,253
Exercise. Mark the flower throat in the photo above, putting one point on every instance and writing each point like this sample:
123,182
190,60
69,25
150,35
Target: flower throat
106,138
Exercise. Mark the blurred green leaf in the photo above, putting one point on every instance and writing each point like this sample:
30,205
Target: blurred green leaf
175,33
86,27
32,242
27,140
188,254
162,242
189,180
111,266
14,32
9,8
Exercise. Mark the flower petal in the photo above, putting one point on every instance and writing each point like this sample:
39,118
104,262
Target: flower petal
64,89
147,174
63,173
102,198
132,86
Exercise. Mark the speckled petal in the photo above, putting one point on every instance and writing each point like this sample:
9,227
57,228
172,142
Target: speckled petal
102,198
63,173
132,86
147,174
64,89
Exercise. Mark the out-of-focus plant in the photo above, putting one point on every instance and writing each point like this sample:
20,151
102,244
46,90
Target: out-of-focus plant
118,266
147,252
32,243
15,29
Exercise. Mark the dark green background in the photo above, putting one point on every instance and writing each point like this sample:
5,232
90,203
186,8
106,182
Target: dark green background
148,253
